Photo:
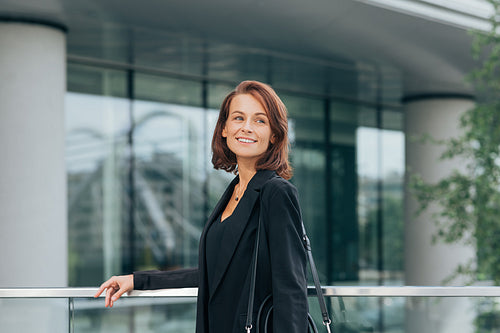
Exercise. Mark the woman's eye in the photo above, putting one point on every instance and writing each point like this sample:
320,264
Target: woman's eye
261,121
238,118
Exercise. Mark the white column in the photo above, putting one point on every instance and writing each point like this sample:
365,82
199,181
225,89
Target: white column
427,263
33,227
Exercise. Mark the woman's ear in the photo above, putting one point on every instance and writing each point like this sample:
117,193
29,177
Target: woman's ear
273,139
224,132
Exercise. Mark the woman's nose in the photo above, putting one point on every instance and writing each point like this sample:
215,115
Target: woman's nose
247,126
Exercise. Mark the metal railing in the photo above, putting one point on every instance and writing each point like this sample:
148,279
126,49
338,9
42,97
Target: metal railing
383,309
346,291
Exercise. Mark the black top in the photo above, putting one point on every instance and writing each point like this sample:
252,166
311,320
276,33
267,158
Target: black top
214,239
214,249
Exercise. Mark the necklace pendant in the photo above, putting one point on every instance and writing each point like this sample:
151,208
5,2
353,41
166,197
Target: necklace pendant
236,198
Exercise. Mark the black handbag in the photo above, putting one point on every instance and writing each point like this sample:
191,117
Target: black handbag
264,315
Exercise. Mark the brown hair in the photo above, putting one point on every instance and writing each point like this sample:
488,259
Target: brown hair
276,156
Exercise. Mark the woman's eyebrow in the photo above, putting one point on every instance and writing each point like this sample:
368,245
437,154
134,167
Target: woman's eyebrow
255,114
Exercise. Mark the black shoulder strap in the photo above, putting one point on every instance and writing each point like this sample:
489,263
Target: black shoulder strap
251,296
319,292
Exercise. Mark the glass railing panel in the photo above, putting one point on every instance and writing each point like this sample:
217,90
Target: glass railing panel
352,309
349,314
361,314
412,314
40,315
135,314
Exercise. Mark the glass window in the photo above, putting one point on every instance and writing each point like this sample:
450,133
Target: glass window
99,39
391,85
168,90
236,64
175,53
140,179
306,118
217,179
97,81
380,164
392,169
368,210
298,75
342,203
169,178
306,131
344,80
216,94
368,83
97,167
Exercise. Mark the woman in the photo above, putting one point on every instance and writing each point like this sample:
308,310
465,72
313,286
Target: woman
251,140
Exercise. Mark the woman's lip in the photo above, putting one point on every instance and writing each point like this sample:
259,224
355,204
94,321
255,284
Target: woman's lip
247,139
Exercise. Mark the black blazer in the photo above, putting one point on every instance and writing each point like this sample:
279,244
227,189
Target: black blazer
281,267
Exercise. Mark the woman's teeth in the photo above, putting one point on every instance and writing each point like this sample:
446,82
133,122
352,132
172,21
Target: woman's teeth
246,140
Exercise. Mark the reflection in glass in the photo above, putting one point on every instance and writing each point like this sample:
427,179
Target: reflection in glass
306,133
368,200
217,180
169,177
392,165
96,160
380,164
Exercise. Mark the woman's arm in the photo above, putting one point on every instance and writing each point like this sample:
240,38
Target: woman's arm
288,259
179,278
116,286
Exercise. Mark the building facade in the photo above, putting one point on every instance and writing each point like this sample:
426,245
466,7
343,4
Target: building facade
107,110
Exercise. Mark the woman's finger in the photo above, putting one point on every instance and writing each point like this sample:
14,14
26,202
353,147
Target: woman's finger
115,287
117,294
109,293
101,289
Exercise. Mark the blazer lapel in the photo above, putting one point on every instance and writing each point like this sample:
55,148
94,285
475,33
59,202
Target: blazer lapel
237,225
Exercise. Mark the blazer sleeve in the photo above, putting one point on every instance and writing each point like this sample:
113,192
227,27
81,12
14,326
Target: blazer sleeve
288,259
179,278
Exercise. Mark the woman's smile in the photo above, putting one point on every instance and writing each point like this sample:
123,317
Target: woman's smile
246,140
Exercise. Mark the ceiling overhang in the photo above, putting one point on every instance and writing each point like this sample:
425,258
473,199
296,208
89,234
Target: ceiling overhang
433,56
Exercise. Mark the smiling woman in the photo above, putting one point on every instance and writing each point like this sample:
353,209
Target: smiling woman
250,140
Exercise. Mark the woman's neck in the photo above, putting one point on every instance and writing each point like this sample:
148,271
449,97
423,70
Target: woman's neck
245,173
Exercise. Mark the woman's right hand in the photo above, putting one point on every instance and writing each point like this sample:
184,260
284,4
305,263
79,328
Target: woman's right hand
115,287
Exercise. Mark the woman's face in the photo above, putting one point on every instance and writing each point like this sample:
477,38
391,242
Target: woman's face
247,128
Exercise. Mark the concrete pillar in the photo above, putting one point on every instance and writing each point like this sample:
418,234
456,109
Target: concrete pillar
33,227
426,263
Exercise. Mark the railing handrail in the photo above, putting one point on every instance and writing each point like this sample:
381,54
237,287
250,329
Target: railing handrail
329,291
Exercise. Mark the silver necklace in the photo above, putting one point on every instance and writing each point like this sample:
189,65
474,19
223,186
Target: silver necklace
238,195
